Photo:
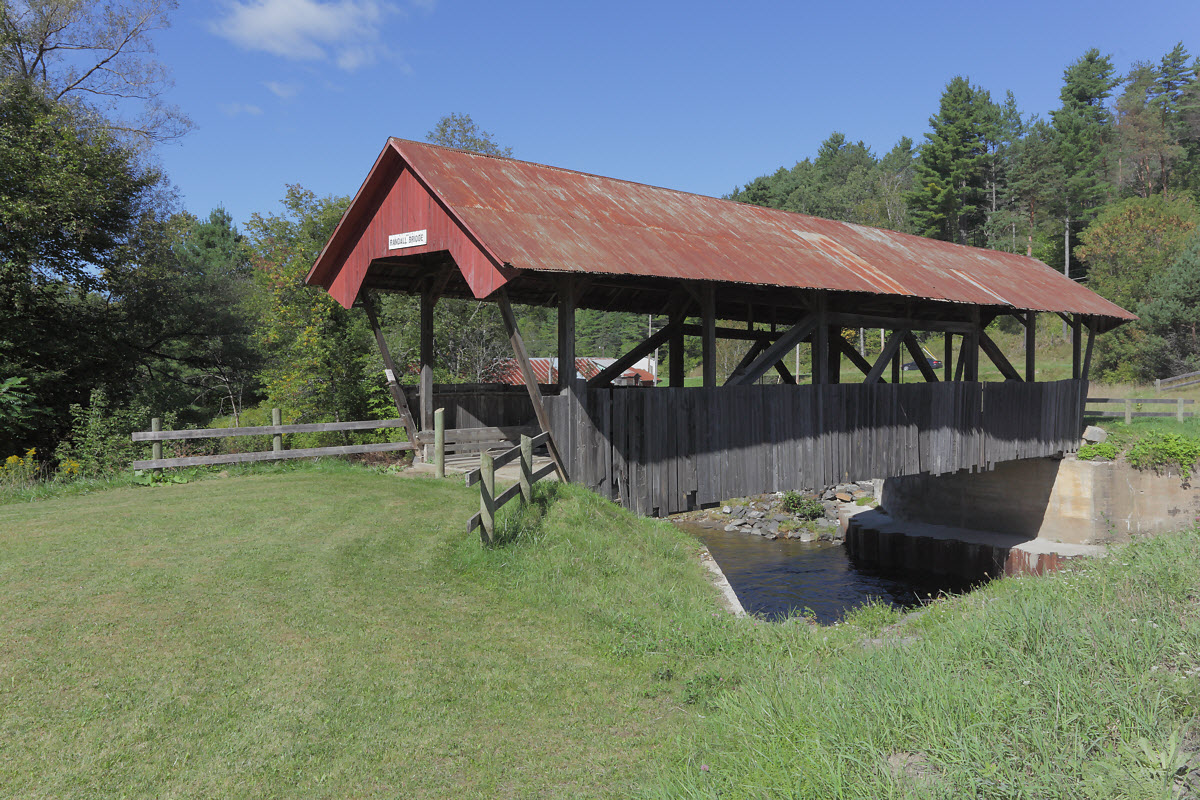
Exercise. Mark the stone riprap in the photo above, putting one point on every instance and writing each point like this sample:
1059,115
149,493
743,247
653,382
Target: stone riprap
764,515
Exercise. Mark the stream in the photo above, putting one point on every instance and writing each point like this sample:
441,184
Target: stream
776,578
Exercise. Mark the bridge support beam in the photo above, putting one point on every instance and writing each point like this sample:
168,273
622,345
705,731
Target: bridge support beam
778,349
1030,345
888,355
566,331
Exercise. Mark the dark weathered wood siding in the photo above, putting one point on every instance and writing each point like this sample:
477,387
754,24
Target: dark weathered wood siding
660,451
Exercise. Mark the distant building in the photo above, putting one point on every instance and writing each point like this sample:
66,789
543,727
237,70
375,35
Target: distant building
546,371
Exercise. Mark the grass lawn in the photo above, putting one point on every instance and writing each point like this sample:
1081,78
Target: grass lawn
323,633
330,631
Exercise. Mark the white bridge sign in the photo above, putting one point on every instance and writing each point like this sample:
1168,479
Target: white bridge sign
398,241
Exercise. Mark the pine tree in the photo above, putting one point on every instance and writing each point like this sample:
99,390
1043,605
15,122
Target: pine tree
950,199
1081,126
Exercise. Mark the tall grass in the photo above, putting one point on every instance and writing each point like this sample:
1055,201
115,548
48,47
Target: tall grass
1081,685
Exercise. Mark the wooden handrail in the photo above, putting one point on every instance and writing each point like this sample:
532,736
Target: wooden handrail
485,476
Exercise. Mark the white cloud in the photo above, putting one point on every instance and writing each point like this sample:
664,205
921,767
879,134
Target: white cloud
282,90
346,31
233,109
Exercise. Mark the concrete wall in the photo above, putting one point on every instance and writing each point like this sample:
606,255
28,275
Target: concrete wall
1079,502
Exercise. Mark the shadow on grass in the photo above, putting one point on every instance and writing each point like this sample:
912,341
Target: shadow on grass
524,523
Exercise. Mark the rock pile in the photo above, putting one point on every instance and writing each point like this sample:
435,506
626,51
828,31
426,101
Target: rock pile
765,515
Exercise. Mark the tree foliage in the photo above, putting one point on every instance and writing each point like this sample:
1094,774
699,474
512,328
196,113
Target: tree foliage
318,354
459,130
98,55
1132,242
950,198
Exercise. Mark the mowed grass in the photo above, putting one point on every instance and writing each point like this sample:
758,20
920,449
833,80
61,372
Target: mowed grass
333,632
329,633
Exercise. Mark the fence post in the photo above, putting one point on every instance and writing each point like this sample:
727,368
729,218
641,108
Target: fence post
526,469
1179,409
487,497
439,443
156,448
1158,384
277,439
1128,411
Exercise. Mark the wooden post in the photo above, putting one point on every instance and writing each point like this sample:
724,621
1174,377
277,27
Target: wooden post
819,346
566,332
156,448
526,468
1093,324
389,368
948,357
675,350
1128,411
1030,345
896,376
1179,409
708,339
1076,348
973,346
487,497
428,300
439,443
531,384
834,370
277,439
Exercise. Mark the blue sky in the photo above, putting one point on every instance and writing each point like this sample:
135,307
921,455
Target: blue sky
697,96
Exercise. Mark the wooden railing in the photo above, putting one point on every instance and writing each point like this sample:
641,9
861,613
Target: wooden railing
1131,402
157,436
1178,382
485,476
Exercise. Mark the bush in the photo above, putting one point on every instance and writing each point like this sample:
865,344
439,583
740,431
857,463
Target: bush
100,441
803,507
1163,450
1105,451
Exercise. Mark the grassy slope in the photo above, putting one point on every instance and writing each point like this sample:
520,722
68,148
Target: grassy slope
334,633
322,634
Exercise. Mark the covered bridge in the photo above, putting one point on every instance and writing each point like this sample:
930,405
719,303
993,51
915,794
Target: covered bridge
438,222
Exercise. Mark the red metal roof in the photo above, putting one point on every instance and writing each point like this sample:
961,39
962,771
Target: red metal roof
546,371
518,215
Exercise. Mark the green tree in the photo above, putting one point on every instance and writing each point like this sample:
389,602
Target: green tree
950,197
319,355
94,54
1132,242
1171,318
71,198
1081,128
183,301
459,130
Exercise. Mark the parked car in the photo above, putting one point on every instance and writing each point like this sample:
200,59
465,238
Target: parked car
933,363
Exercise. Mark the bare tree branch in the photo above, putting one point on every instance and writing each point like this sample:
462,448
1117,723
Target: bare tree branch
100,49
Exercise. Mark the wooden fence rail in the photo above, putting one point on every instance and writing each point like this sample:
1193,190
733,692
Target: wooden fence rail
485,476
277,452
1177,382
1129,402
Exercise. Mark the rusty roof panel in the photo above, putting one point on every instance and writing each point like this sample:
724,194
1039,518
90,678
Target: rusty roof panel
535,217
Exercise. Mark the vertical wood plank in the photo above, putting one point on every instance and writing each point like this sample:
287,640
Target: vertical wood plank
428,300
708,339
487,498
439,443
526,479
